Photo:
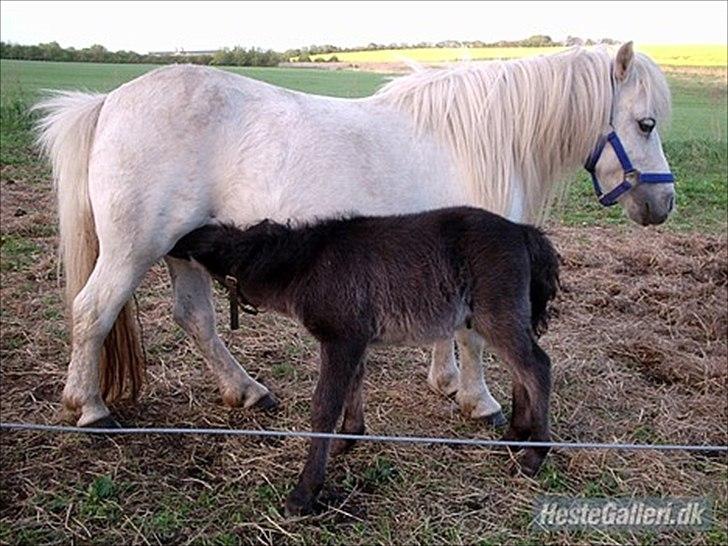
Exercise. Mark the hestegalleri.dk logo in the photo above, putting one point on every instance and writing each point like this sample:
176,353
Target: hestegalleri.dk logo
558,513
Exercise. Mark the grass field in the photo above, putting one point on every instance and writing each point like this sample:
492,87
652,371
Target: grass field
27,78
638,343
672,55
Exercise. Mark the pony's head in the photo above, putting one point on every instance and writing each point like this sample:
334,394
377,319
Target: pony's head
629,166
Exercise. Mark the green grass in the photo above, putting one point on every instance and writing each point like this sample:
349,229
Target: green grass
694,142
16,252
699,106
16,138
28,78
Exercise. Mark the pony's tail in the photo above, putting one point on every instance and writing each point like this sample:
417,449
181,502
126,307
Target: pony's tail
66,131
544,276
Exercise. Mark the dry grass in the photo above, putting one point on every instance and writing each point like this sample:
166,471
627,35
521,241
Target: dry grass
639,352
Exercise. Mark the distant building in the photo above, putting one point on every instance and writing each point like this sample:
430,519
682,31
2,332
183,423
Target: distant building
182,53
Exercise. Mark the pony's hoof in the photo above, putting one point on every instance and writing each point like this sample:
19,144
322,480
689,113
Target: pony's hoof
496,420
105,422
267,404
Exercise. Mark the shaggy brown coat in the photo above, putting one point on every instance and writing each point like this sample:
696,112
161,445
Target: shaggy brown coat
395,279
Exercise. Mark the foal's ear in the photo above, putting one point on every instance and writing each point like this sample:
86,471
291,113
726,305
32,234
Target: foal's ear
623,61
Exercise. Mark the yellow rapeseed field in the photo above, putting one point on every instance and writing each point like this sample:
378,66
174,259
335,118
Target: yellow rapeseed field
675,55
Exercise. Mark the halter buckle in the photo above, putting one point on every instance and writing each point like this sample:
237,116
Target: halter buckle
237,301
632,176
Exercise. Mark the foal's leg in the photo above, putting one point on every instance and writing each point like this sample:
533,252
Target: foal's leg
94,310
537,381
473,397
353,422
194,312
339,365
531,371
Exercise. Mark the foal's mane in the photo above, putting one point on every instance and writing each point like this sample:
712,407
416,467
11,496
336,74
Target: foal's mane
273,250
530,119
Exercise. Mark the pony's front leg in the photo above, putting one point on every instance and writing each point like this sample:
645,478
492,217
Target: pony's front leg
473,397
194,312
444,376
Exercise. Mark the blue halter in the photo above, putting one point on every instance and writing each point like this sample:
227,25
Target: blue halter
630,173
610,198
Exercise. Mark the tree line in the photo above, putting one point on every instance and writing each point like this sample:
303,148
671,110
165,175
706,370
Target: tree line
239,56
52,51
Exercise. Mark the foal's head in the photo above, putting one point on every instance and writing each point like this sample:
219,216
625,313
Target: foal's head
263,258
223,249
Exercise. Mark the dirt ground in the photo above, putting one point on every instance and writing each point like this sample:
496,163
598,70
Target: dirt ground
638,343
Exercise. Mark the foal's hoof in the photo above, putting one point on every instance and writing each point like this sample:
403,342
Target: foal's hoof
267,404
298,506
529,463
105,422
341,446
496,420
511,435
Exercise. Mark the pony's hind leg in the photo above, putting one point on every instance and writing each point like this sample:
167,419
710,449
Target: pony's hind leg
474,397
194,312
94,310
467,382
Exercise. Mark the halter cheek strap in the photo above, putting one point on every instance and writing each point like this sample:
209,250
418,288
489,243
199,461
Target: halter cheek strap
610,198
237,300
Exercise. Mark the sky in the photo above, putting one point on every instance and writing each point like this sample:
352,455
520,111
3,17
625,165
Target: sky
150,26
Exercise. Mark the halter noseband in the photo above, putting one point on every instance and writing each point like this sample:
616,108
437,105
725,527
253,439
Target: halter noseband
630,173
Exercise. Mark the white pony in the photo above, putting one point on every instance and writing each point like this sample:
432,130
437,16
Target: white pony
184,146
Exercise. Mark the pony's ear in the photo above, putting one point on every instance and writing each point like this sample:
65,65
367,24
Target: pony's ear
211,246
623,61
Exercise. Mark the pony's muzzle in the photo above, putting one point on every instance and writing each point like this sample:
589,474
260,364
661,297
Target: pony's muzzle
651,207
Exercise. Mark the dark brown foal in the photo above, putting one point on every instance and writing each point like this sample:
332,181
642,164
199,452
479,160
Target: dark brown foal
396,279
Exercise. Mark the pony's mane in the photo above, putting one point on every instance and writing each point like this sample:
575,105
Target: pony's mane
533,119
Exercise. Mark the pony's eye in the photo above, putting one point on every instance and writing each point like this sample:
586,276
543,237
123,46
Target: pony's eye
646,125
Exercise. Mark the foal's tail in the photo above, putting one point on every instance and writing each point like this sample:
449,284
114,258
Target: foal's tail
544,276
65,133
